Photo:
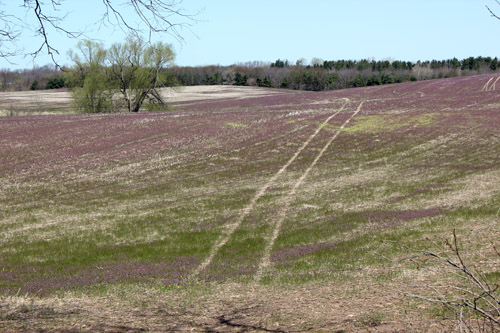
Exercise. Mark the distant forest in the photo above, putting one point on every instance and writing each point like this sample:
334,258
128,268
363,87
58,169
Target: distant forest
330,75
317,76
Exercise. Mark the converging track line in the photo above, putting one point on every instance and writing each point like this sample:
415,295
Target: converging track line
494,85
490,87
486,85
246,211
266,258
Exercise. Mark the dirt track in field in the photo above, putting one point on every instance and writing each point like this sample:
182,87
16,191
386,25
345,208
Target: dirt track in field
232,228
266,258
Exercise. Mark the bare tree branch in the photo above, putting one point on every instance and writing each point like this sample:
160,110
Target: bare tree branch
155,15
9,32
469,290
132,16
491,11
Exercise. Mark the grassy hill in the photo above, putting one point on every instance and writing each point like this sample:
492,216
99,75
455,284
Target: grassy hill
247,208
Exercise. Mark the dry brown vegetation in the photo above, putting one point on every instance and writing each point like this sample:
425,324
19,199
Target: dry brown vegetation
246,209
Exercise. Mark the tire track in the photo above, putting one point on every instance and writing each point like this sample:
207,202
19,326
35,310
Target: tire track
266,258
486,85
246,211
492,87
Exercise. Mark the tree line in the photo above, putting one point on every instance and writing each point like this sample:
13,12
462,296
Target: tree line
316,76
44,77
329,75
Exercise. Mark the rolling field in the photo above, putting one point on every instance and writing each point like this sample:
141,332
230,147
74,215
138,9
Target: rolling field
246,209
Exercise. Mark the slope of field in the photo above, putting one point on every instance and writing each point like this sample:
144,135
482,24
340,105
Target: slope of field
245,209
54,102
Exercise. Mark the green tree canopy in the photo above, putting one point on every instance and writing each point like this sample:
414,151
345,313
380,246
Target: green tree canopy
135,69
132,70
91,92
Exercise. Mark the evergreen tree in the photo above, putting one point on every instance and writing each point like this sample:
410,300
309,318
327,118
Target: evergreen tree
494,64
55,82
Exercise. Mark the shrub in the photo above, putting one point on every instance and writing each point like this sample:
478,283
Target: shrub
56,82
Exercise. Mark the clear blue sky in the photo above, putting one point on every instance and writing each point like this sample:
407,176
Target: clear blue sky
231,31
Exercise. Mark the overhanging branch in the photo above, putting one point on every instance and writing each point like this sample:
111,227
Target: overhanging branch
137,17
493,13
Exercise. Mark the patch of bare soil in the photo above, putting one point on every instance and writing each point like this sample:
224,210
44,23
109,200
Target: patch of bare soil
43,101
221,308
197,93
39,99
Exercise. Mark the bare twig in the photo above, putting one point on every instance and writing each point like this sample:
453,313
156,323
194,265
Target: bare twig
155,15
470,292
151,16
491,11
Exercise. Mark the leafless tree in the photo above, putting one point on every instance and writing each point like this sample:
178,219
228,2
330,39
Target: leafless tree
155,16
316,61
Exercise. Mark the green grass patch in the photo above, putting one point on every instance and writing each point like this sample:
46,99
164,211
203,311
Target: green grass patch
374,124
236,125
